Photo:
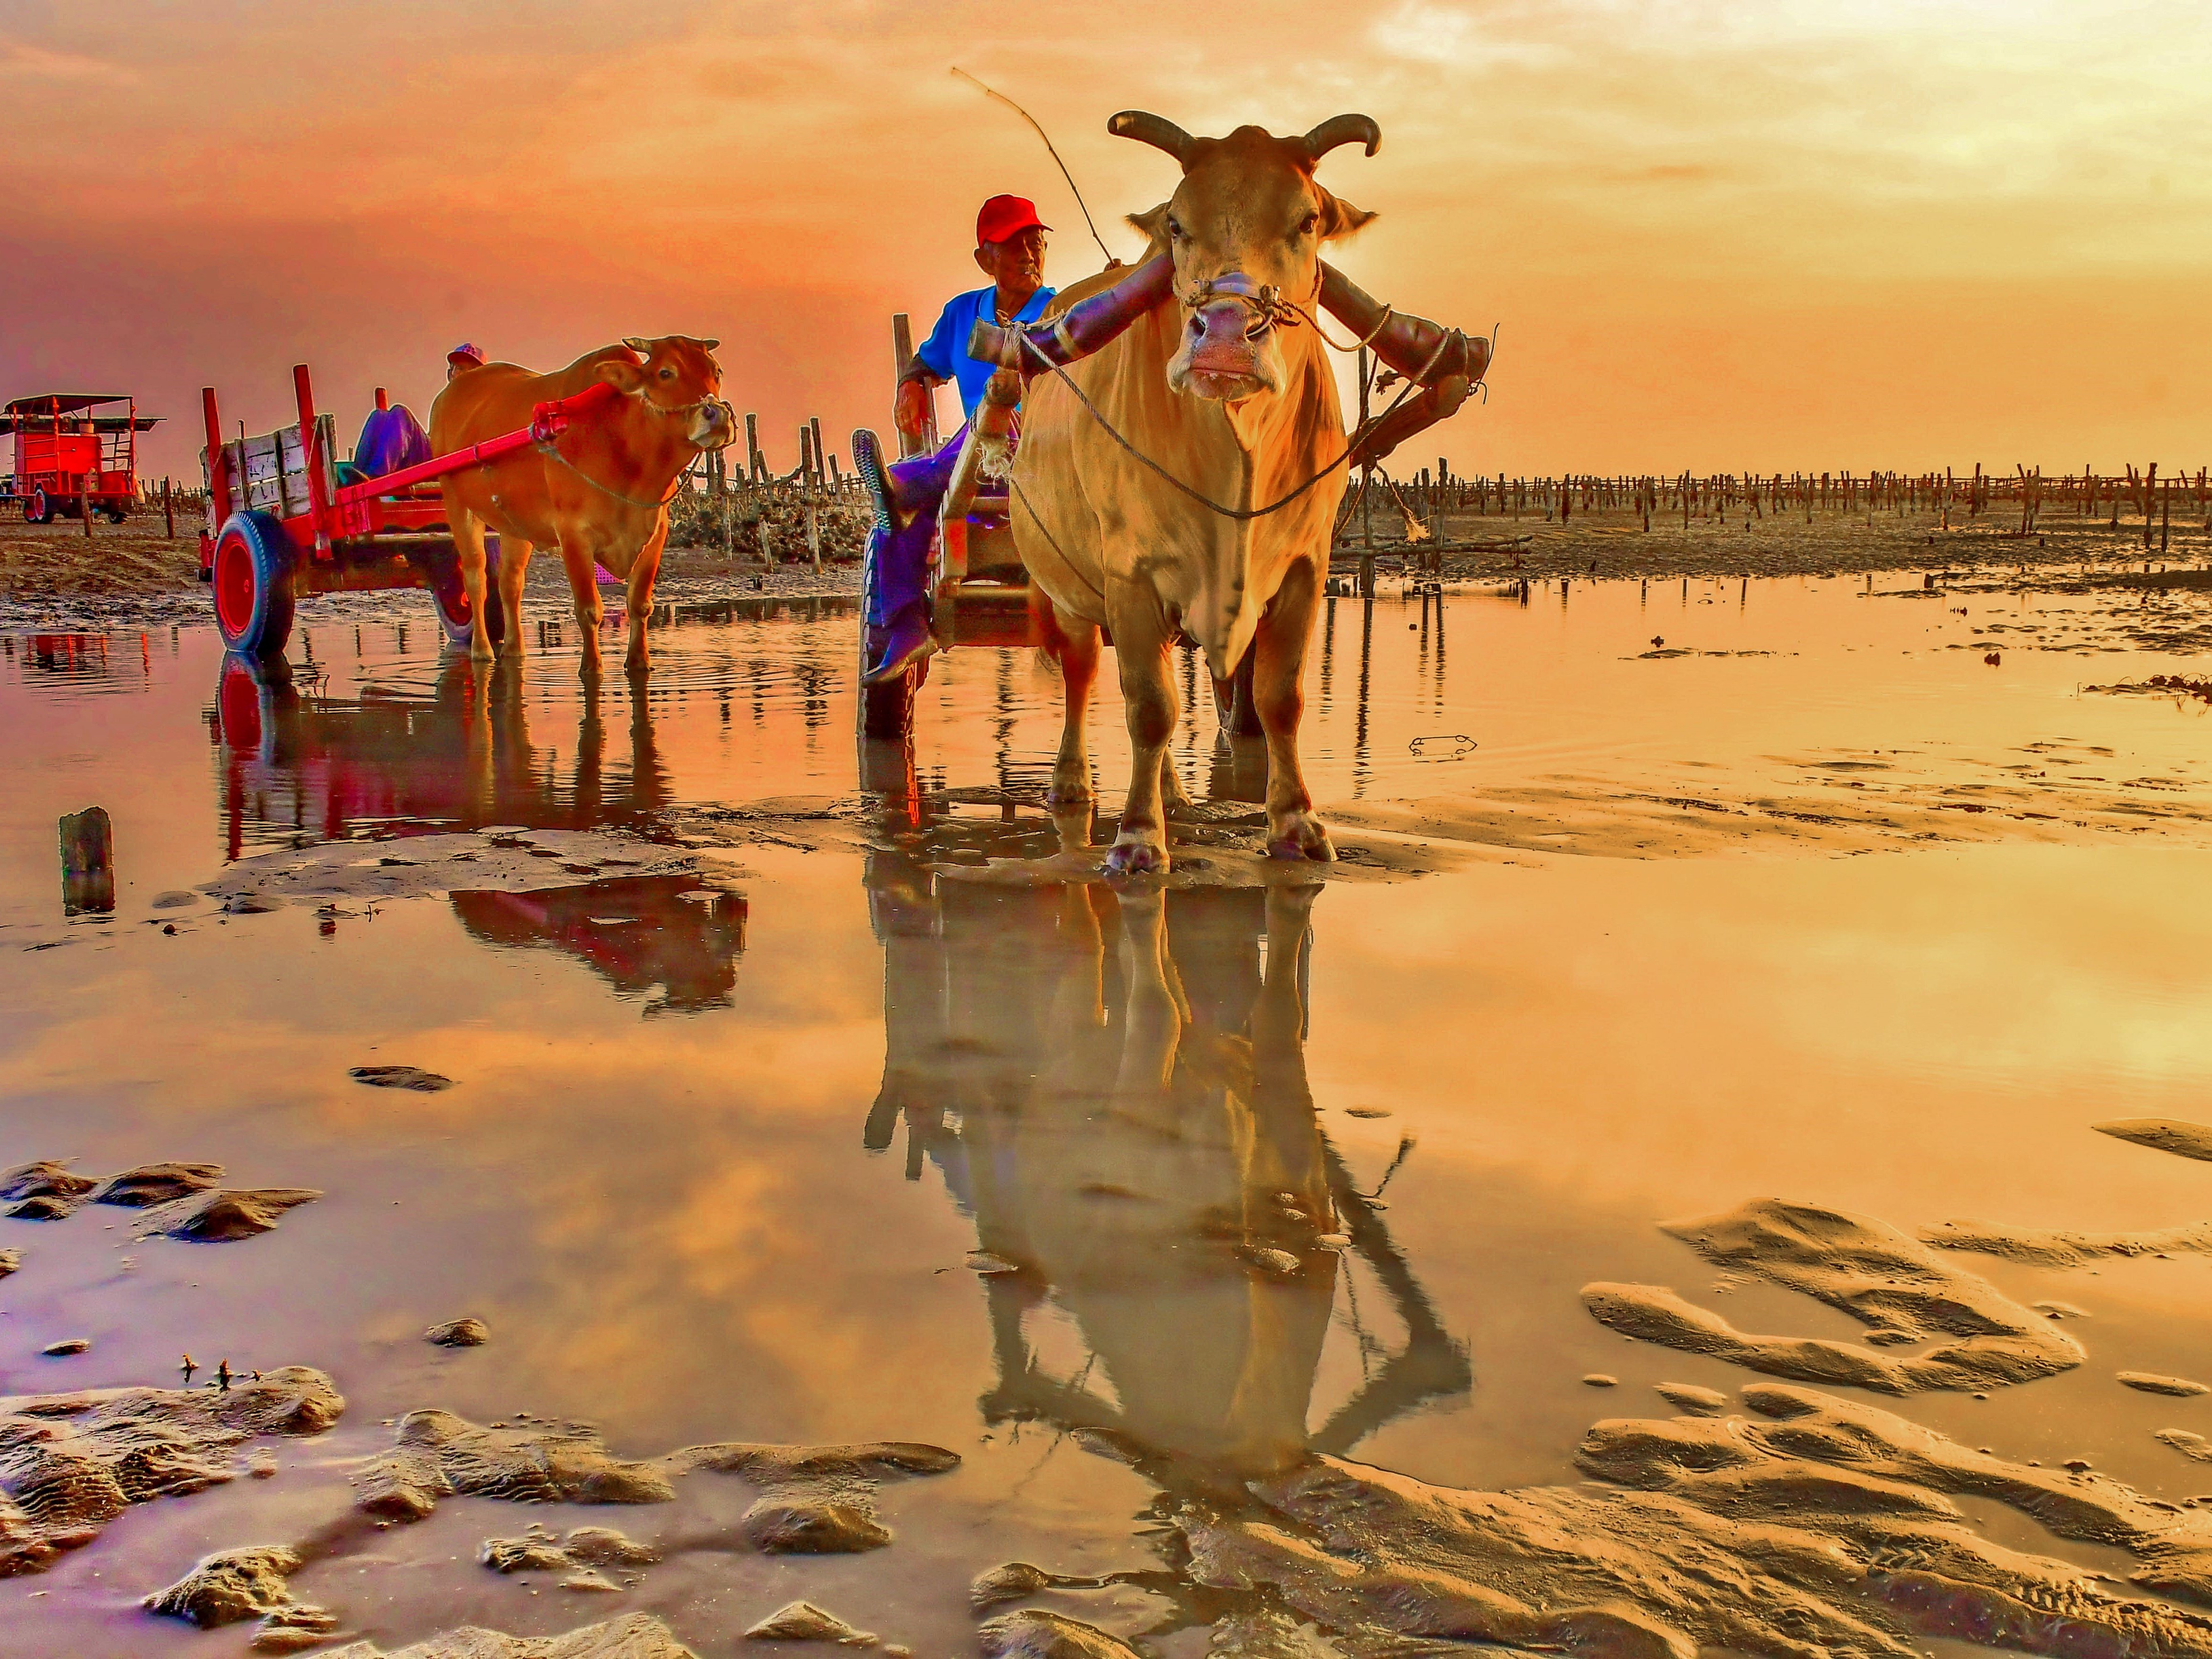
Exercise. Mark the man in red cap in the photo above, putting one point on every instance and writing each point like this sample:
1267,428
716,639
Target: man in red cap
463,357
1010,242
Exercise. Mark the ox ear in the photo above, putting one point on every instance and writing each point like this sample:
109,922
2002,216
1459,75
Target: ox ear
621,374
1339,218
708,345
1153,227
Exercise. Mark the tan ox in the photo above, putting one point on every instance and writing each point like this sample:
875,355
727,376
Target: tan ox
1234,398
598,493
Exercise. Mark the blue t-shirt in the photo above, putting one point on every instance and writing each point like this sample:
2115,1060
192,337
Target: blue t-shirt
945,353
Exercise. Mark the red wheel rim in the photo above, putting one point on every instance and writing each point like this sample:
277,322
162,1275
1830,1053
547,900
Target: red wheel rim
234,584
239,701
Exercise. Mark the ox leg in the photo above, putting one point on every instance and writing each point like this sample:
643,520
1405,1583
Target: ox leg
513,566
1278,689
1077,641
638,659
582,568
1140,651
469,542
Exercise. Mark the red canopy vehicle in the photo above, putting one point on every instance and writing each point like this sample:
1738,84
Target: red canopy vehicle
75,452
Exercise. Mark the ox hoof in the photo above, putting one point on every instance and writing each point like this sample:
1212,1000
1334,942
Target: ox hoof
1303,837
1135,857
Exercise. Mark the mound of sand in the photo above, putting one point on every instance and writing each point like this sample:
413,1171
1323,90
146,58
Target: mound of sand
814,1499
235,1585
1828,1531
70,1463
1888,1281
639,1636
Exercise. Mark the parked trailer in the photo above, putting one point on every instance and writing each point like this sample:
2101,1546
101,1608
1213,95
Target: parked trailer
75,452
285,520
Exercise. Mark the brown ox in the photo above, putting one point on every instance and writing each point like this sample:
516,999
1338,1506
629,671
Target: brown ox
598,493
1240,408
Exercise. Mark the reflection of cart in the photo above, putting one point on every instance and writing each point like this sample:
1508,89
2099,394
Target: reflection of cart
76,452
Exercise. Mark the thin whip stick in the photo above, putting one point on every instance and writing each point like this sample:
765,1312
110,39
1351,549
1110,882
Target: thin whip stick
988,92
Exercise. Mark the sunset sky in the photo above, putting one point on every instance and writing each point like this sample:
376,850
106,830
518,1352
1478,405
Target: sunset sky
1898,234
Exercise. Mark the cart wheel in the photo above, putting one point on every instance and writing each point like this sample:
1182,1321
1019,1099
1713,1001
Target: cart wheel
35,508
253,585
452,599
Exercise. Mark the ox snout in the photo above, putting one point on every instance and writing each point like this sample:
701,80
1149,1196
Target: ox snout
713,425
1228,354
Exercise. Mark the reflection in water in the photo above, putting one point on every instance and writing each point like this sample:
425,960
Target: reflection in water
296,764
315,768
1114,1086
636,932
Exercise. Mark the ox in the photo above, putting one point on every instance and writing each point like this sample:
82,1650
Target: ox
598,491
1228,392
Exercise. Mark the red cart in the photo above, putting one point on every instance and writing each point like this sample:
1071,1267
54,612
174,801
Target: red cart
76,452
285,519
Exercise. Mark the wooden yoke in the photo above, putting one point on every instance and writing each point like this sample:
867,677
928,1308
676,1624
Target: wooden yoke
1445,363
1030,348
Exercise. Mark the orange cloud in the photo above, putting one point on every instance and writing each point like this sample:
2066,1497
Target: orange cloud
1717,236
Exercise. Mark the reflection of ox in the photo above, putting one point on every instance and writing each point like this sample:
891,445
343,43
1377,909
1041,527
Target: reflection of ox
1232,394
1115,1085
637,933
597,490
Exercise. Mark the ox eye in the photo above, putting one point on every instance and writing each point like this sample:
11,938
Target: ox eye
668,374
1307,225
1174,230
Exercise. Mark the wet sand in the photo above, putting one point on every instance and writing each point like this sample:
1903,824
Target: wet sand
1226,1229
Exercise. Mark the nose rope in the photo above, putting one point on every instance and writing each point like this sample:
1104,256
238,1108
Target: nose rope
1270,309
552,446
1242,514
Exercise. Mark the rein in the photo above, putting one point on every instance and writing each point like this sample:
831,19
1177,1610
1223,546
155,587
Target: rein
552,447
1245,514
549,442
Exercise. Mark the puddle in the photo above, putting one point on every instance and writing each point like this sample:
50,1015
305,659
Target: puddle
792,1113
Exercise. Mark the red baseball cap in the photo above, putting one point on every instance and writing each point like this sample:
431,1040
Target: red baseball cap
466,353
1004,216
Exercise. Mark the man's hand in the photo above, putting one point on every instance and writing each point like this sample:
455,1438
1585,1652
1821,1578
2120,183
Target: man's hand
912,407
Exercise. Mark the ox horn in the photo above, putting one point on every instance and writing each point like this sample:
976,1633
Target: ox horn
1154,129
643,348
1343,130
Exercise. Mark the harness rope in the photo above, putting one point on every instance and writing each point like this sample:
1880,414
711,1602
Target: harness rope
1243,514
552,446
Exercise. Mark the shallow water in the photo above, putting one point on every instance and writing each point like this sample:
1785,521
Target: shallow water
722,1141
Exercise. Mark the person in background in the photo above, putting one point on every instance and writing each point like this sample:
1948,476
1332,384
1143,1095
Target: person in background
463,356
1009,244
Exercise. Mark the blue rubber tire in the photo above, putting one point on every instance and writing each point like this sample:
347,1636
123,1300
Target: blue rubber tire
252,584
